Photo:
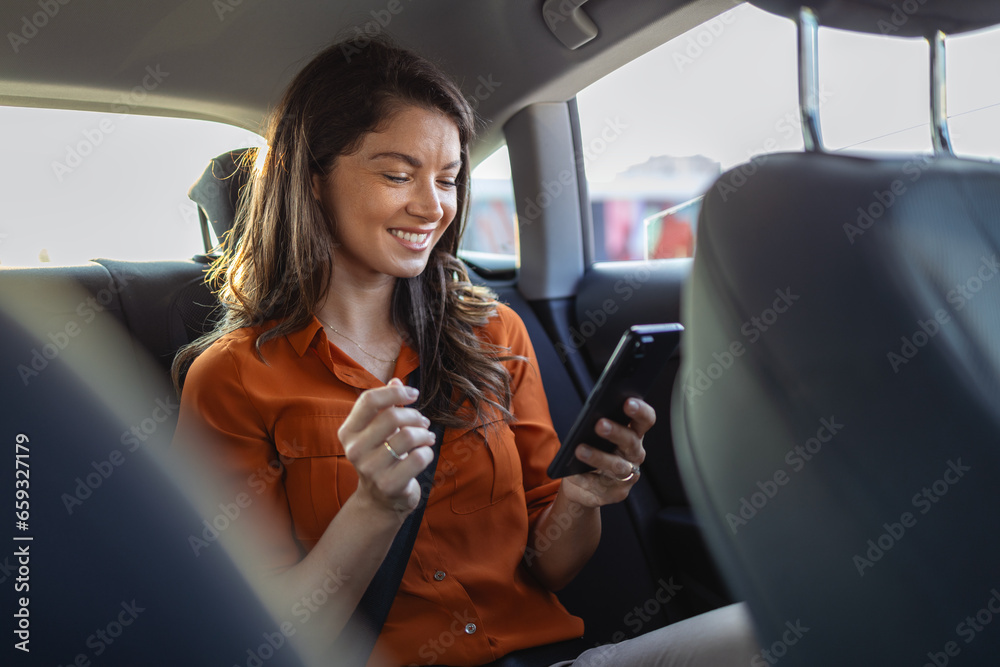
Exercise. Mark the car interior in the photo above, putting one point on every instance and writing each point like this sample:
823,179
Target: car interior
108,519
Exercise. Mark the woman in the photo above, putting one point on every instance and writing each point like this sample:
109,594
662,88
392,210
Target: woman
341,282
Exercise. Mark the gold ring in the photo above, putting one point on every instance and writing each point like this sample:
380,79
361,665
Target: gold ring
635,471
392,451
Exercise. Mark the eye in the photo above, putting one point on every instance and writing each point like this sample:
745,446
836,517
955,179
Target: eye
447,183
396,179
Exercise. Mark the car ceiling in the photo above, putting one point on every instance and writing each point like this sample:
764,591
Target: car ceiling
229,60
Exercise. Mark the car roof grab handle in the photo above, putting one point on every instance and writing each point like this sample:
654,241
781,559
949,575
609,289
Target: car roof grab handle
568,22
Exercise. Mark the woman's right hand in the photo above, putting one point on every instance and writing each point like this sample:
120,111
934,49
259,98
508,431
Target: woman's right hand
386,483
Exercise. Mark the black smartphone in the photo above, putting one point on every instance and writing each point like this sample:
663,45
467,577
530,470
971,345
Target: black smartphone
641,354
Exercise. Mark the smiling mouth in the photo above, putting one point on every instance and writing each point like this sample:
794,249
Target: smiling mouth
408,236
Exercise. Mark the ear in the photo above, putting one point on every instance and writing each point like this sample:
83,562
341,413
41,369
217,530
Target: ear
317,187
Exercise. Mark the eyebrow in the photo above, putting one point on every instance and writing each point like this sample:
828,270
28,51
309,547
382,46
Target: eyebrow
410,160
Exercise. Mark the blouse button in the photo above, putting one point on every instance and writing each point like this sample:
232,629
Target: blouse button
470,628
439,575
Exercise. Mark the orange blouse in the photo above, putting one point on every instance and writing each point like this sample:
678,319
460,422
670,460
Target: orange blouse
466,597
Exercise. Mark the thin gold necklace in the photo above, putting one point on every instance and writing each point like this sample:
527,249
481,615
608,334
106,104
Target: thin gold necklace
356,343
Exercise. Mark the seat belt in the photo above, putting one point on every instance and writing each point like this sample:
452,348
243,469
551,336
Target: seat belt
356,641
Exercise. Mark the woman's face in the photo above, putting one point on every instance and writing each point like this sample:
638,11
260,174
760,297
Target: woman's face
393,199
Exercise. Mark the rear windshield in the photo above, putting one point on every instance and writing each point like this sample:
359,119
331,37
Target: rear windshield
78,185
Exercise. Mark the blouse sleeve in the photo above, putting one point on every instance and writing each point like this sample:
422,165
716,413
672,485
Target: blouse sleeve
536,439
219,431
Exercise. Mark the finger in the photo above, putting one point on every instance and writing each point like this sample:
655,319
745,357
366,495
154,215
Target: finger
642,414
393,480
628,441
610,464
409,438
373,401
369,454
375,459
596,490
390,421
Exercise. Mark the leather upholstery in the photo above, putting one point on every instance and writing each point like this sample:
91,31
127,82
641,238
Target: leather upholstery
836,415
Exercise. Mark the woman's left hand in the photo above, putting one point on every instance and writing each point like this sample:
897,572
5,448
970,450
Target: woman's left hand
617,471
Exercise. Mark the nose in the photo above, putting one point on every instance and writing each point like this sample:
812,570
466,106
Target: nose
425,202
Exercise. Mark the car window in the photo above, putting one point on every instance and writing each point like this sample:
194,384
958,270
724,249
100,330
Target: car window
658,131
491,231
974,93
878,93
79,185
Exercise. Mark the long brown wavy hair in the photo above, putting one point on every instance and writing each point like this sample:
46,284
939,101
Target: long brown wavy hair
277,262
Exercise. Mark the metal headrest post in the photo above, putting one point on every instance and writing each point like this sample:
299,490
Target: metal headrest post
940,135
808,41
205,238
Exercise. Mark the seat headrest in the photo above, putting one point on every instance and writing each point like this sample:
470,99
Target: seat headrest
217,192
899,18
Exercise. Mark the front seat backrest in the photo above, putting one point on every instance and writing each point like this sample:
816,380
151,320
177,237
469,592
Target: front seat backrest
836,414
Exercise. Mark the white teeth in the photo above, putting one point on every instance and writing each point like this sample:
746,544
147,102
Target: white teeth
406,236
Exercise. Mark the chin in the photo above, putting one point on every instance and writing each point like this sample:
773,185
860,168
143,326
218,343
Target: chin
414,267
411,271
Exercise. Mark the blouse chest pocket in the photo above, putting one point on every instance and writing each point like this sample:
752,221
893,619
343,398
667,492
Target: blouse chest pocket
484,465
318,477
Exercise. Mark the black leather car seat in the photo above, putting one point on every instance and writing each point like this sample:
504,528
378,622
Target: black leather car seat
836,415
101,567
